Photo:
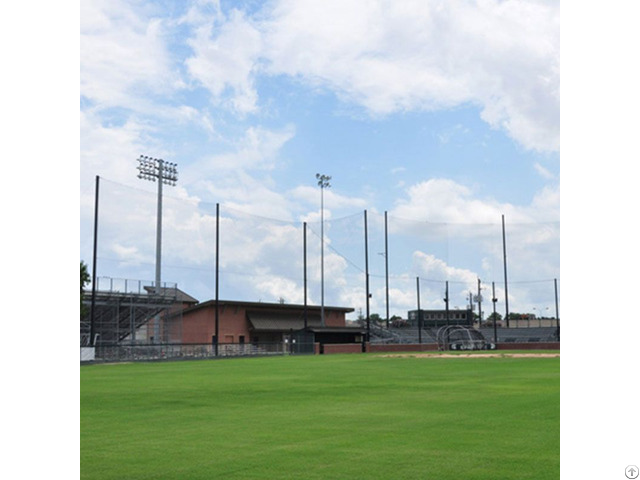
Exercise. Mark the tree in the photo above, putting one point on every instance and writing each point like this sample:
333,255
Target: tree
85,278
494,316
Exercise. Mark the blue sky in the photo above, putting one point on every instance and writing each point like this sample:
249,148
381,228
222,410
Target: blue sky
440,113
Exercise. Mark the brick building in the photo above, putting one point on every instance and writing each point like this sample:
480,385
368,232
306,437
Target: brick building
259,323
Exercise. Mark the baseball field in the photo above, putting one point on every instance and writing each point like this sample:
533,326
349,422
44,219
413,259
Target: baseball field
358,416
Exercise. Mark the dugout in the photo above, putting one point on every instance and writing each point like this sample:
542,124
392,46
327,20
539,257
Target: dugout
335,335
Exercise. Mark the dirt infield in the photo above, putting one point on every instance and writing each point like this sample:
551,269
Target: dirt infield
475,355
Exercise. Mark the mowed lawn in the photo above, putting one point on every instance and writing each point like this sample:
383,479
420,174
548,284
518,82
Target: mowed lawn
359,416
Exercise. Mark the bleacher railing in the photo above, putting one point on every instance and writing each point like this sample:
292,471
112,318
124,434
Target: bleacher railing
130,286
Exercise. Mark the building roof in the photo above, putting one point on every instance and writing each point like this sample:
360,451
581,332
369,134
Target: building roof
319,329
167,291
269,306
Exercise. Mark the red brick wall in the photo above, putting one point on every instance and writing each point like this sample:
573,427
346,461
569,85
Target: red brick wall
334,319
431,346
342,348
403,347
199,326
529,346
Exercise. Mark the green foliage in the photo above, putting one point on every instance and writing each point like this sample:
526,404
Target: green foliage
319,417
521,316
85,278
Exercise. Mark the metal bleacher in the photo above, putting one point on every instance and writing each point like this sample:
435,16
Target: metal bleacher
122,307
522,335
410,335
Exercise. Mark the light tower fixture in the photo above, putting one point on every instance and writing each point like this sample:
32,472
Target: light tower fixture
156,168
323,182
165,173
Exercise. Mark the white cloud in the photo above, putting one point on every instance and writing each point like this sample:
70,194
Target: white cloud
109,151
122,52
274,288
128,254
396,56
224,59
545,205
383,55
239,177
443,200
258,149
311,196
429,266
463,230
543,172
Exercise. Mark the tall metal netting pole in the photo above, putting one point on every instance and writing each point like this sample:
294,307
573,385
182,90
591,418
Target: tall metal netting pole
494,300
95,260
419,312
555,287
506,289
217,327
366,269
304,273
479,302
386,265
446,301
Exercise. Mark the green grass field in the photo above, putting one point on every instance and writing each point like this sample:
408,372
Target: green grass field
322,417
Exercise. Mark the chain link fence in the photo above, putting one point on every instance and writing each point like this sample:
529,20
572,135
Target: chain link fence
132,353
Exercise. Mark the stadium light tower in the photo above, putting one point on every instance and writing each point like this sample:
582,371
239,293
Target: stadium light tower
165,173
323,182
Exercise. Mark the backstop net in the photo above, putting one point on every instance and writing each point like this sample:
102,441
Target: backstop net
374,262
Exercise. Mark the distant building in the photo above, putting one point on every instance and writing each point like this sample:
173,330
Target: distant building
439,318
